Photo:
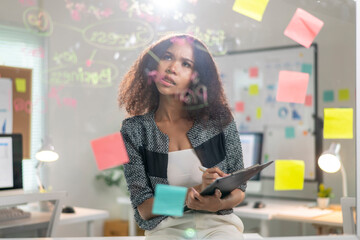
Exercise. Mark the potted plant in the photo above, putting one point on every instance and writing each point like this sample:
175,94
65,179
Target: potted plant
114,177
324,195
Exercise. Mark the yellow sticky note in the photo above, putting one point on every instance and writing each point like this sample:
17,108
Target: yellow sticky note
251,8
344,94
258,112
338,123
253,89
20,84
289,175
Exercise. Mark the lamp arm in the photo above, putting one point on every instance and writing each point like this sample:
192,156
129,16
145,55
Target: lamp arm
344,181
38,166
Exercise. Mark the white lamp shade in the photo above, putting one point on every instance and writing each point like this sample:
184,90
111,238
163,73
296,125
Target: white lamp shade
47,152
329,163
46,156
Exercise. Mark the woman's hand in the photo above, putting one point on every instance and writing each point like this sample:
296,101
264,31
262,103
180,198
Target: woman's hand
210,175
211,203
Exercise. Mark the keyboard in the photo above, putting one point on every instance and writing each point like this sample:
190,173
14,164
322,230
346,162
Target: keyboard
8,214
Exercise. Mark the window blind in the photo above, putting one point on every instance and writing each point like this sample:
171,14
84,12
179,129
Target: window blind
20,48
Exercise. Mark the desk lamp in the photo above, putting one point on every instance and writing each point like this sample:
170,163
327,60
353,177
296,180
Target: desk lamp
329,162
45,154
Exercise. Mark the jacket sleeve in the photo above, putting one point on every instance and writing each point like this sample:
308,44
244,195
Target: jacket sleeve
137,180
233,150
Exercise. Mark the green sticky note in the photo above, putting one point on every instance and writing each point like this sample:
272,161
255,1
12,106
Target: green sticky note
289,175
338,123
253,89
258,112
20,84
169,200
344,94
290,132
328,96
306,68
253,9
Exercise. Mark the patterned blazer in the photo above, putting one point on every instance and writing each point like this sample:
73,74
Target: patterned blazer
148,147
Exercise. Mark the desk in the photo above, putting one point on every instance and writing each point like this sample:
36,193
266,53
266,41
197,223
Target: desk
288,210
39,220
84,215
250,236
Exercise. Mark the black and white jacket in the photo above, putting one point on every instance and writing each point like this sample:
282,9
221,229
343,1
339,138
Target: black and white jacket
148,147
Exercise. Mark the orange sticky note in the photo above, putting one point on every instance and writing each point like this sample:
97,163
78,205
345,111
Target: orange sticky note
292,87
251,8
109,151
303,27
239,106
20,84
289,175
253,89
338,123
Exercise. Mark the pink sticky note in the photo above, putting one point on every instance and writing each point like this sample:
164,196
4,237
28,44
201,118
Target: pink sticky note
308,100
292,86
303,27
239,106
109,151
253,72
88,63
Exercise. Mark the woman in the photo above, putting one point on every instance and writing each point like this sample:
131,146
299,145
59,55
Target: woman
181,121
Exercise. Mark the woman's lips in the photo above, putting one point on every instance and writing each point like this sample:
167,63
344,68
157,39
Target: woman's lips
167,81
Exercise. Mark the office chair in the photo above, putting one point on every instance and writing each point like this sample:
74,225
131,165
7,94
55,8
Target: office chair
348,205
55,198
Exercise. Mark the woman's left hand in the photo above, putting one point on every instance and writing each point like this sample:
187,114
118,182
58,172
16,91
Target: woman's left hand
210,203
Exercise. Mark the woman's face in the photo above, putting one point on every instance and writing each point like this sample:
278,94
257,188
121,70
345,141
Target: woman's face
175,69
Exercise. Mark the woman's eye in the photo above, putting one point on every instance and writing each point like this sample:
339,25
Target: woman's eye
186,64
167,57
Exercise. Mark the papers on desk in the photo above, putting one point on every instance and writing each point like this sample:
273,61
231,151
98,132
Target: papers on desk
303,212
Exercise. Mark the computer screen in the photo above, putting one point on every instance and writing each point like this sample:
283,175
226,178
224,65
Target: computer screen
11,161
251,143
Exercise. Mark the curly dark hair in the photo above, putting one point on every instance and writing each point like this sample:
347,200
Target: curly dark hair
139,95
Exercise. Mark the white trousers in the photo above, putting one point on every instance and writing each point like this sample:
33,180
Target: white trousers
194,225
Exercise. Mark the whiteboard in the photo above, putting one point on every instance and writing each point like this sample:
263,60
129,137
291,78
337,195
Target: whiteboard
289,128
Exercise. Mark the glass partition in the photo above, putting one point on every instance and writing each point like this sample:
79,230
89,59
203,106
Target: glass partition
81,50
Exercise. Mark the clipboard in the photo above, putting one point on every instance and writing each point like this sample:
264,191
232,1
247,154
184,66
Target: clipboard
227,184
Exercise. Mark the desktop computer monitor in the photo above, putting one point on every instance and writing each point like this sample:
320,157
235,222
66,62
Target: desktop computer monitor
11,157
251,143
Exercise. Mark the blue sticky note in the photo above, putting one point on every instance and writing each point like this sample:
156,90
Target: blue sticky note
290,132
328,96
169,200
306,68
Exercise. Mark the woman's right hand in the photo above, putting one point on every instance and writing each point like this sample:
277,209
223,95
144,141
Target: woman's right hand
210,175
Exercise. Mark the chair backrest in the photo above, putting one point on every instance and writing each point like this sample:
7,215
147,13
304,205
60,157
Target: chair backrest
347,206
55,198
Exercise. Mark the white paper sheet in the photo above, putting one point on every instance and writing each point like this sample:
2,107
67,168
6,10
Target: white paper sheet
6,110
6,163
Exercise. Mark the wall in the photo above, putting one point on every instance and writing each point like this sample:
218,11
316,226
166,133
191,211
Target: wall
96,113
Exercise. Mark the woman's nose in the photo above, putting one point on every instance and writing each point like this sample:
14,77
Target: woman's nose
172,68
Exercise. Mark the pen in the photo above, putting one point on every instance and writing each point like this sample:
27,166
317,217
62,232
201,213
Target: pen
203,169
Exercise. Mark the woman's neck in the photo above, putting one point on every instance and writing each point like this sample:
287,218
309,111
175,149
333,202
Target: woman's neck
170,109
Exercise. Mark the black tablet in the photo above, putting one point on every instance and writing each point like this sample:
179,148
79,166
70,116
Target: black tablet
227,184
